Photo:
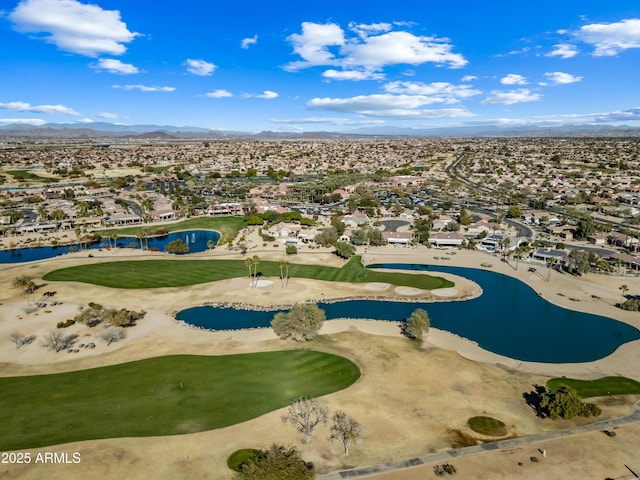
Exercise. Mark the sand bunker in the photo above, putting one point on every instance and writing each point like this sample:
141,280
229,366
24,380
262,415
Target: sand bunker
445,292
408,291
376,286
261,283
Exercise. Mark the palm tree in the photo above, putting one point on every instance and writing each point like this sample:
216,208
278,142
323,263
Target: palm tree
624,289
248,262
256,261
140,236
210,244
286,274
281,265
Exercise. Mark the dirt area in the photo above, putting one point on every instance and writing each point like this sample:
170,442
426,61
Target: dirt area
411,401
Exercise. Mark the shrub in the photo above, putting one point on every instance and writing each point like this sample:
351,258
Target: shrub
291,250
301,323
276,463
66,323
631,305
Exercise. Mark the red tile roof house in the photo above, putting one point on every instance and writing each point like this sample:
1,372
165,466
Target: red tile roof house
284,230
397,238
450,239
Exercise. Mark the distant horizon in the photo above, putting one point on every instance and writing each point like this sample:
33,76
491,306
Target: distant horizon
288,67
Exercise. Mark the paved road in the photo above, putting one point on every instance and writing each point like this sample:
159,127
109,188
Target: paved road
450,455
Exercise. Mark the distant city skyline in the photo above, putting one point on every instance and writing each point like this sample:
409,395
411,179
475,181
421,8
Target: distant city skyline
285,66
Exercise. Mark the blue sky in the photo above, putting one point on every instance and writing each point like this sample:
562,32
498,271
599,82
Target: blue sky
329,65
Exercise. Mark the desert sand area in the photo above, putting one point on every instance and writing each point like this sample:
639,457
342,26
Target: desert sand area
411,401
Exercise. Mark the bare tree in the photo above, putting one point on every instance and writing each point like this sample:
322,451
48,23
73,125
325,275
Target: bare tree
57,341
19,339
306,414
111,334
346,430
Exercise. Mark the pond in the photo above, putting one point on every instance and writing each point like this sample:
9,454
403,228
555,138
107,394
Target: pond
196,239
509,319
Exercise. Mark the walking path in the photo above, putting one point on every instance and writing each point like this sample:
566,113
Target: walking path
448,455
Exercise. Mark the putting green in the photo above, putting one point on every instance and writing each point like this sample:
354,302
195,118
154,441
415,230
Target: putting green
184,272
163,396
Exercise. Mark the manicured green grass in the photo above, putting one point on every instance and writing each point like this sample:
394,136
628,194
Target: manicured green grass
226,226
597,388
26,175
162,396
183,272
492,427
240,457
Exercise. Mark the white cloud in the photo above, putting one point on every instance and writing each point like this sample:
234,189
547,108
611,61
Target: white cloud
268,94
220,93
200,67
394,48
23,121
514,96
27,107
112,65
73,26
329,120
387,105
611,38
313,44
352,75
107,115
144,88
440,91
561,78
372,49
513,79
468,78
563,50
364,30
246,42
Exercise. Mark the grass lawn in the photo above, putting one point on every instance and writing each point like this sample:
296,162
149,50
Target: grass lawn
226,226
26,175
179,273
597,388
163,396
491,427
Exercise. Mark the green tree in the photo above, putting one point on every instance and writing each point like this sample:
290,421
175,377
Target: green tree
578,261
276,463
624,289
565,403
291,250
421,229
586,226
177,246
345,430
300,323
514,211
345,250
417,324
464,218
327,237
359,236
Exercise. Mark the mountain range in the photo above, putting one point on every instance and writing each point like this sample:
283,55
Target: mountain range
168,132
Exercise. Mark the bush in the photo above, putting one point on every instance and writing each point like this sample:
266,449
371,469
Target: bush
565,403
301,323
66,323
276,463
291,250
631,305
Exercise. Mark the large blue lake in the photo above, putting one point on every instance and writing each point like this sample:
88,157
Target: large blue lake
509,319
196,239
